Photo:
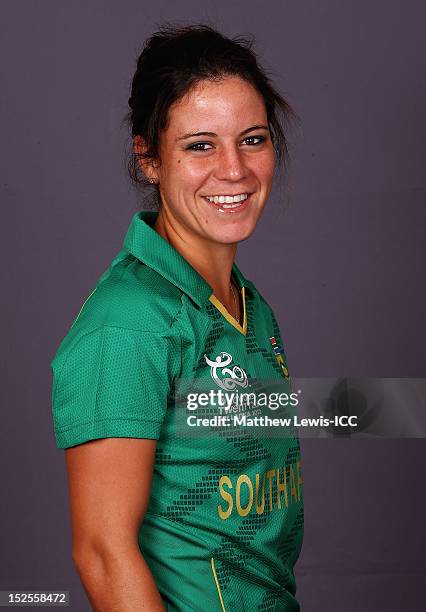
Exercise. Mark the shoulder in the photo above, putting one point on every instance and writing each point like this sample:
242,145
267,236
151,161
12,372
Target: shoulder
131,295
129,298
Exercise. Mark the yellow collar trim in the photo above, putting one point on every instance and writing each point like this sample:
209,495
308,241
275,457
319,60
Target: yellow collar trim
243,330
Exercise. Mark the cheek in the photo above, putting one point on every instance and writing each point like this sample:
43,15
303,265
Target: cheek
190,173
263,165
266,167
182,181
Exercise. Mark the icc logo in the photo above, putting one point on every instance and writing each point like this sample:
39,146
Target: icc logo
231,376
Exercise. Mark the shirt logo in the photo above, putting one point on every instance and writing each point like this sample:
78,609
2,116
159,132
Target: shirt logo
279,356
231,376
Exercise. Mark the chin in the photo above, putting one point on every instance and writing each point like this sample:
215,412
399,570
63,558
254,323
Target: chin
231,235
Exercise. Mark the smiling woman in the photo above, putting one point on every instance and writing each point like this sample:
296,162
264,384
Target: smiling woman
147,504
213,180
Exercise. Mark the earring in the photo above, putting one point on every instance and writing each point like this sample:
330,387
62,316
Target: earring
152,181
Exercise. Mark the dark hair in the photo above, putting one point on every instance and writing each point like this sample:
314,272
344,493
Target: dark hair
173,60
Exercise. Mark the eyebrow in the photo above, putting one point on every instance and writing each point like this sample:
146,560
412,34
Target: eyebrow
250,129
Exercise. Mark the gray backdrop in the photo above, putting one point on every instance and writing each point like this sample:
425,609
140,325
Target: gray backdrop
339,258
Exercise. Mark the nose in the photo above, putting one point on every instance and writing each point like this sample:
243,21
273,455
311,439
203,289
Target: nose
230,164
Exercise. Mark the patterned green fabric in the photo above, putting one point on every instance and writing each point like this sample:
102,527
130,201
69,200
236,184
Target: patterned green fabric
224,524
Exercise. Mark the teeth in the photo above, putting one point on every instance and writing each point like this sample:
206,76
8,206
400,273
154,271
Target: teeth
228,199
231,205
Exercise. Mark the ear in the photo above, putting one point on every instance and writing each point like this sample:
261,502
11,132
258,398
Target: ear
148,166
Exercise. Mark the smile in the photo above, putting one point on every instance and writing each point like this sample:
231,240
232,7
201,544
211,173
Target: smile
228,201
229,204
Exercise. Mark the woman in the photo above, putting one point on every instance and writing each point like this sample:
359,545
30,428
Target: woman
162,521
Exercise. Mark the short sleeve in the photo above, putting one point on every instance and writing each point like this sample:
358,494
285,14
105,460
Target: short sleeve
112,382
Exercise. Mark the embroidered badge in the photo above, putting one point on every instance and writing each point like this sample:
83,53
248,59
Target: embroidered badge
279,352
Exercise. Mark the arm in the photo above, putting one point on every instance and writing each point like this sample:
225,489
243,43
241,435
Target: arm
109,484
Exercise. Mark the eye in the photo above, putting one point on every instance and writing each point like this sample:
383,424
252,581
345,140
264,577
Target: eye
196,146
259,139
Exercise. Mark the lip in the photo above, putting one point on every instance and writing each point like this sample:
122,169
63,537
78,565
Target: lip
219,207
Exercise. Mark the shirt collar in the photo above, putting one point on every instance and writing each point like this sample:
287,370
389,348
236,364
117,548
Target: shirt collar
147,245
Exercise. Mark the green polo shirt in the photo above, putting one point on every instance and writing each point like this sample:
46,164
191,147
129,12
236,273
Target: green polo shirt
224,524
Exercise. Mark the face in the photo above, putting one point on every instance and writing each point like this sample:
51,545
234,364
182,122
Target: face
216,161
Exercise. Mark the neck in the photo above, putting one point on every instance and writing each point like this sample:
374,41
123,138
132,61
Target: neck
212,260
